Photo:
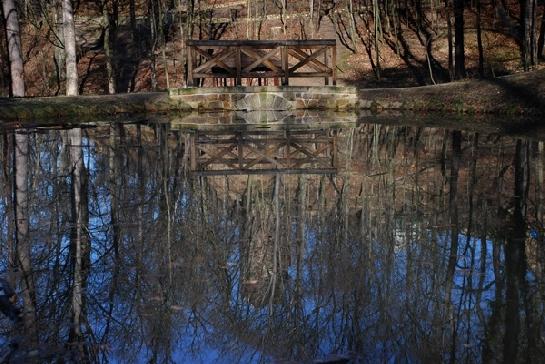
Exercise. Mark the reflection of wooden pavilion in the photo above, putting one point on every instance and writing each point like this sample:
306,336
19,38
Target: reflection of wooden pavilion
283,59
226,152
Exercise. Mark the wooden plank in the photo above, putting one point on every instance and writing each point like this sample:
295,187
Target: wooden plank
285,66
265,155
308,59
300,55
232,172
309,74
308,43
260,59
334,64
255,74
215,60
238,63
246,139
190,66
326,80
208,56
220,154
248,163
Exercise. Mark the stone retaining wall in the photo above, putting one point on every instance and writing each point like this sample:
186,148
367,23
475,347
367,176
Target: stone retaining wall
267,98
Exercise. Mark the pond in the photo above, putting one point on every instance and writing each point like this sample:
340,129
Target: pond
315,238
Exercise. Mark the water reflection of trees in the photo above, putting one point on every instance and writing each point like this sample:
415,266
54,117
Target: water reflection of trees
427,245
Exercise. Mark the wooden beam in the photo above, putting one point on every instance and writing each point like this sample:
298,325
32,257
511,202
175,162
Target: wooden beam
260,59
189,66
238,63
306,43
216,60
208,56
308,59
250,48
231,172
300,55
285,66
334,64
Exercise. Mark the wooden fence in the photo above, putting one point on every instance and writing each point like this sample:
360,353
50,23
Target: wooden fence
261,59
222,153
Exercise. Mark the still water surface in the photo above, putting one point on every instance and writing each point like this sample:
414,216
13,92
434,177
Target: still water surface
301,242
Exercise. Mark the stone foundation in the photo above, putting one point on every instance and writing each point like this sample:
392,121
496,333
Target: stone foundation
267,98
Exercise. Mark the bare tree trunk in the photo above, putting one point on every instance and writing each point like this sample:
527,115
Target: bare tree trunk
109,36
459,48
480,40
541,39
132,19
77,249
14,48
69,29
59,56
449,38
515,258
22,241
283,17
454,236
311,16
153,40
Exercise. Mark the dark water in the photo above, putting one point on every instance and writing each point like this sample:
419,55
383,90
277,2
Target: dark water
373,243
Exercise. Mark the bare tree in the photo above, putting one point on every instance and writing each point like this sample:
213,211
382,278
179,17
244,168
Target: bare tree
15,54
70,48
21,162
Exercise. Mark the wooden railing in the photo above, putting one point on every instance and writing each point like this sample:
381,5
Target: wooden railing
281,59
264,152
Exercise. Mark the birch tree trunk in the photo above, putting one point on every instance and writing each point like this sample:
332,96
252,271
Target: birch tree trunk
21,162
70,48
11,18
22,240
77,249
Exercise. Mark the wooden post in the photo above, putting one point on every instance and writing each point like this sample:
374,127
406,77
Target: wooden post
239,67
285,66
326,79
334,64
240,153
193,153
190,66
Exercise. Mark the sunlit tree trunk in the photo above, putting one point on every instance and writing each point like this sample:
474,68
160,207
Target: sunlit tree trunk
449,39
21,163
69,29
22,238
76,241
14,48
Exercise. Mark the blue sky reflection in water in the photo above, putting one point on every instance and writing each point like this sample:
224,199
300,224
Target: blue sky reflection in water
372,243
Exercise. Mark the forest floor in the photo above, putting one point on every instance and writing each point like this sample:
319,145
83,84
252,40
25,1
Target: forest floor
403,59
